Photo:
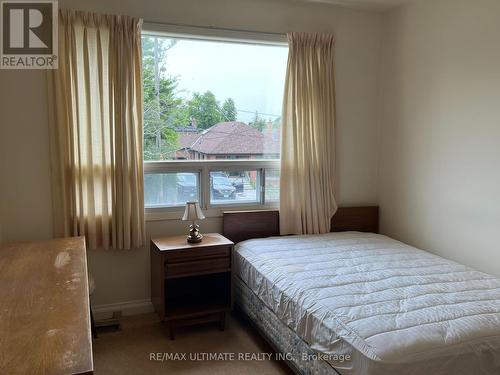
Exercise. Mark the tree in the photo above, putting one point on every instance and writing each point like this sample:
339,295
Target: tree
205,109
258,122
229,112
163,108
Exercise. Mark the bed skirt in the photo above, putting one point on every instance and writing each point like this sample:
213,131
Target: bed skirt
291,348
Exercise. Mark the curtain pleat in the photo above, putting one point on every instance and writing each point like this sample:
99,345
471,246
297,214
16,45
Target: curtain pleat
307,201
96,132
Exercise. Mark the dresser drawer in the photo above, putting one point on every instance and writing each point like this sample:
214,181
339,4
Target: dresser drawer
203,253
197,266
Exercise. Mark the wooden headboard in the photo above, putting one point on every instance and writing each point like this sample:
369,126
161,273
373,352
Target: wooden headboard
244,225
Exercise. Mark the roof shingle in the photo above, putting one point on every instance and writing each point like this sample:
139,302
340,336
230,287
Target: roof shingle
231,138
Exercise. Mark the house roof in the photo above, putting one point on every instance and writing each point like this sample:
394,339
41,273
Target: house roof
187,139
232,138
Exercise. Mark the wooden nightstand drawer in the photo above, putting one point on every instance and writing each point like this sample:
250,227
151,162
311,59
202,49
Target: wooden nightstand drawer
197,267
177,256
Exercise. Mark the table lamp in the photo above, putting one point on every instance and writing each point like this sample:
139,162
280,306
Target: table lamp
192,213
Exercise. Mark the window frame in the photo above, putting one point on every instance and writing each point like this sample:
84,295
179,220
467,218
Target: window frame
204,167
214,34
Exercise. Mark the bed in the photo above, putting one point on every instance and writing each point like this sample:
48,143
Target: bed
356,302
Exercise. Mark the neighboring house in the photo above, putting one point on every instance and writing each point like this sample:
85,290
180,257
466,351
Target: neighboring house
229,140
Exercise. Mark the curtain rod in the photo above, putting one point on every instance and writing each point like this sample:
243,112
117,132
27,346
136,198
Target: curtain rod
212,32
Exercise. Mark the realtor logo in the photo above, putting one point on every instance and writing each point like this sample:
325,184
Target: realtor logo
29,35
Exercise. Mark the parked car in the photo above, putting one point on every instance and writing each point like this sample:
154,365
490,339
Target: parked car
187,189
222,188
218,174
239,185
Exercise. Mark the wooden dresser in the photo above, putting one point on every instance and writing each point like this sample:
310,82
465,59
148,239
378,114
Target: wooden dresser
44,308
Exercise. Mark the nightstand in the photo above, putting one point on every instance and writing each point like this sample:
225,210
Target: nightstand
191,283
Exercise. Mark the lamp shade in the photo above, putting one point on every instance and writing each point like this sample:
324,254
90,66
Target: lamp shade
193,212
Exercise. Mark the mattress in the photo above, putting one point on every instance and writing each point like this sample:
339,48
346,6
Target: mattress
389,307
299,356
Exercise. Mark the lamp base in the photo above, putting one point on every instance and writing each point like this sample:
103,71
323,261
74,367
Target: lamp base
194,240
194,234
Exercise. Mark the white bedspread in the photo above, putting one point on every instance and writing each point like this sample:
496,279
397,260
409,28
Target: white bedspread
391,307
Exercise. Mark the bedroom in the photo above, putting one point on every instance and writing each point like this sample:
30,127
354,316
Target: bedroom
416,134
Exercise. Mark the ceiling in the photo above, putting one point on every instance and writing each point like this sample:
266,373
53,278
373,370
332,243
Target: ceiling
370,5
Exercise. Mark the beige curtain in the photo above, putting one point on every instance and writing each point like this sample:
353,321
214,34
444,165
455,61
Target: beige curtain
307,200
97,130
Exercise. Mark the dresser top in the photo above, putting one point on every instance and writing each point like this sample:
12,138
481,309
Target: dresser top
180,242
44,308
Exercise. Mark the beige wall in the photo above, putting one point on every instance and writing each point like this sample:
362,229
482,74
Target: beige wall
439,179
124,276
25,199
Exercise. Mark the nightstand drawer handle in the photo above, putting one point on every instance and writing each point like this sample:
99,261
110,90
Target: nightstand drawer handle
198,254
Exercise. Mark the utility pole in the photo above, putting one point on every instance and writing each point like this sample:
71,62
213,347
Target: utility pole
157,94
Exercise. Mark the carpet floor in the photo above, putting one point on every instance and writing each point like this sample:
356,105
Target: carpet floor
143,346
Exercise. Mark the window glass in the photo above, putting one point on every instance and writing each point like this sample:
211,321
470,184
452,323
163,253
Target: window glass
170,189
272,185
211,100
229,187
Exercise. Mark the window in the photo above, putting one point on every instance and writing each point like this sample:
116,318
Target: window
212,118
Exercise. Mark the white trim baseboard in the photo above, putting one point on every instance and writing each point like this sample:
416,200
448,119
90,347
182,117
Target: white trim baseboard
126,308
